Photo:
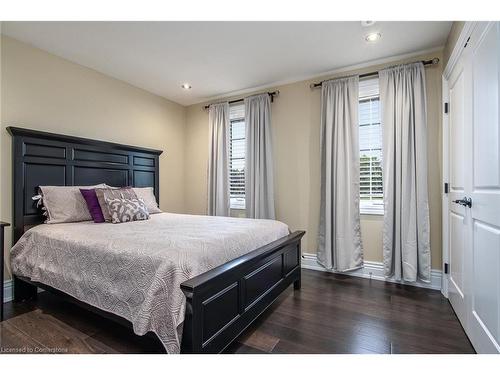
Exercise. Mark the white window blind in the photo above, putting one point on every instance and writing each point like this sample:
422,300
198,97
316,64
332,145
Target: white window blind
237,157
370,148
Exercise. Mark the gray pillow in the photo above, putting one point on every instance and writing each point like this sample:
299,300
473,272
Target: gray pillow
110,192
147,194
65,204
123,210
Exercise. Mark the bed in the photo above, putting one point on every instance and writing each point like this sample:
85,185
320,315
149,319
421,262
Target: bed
195,281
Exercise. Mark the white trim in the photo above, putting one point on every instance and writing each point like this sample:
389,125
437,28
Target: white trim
458,48
7,290
444,197
371,209
333,72
237,205
452,61
372,270
365,212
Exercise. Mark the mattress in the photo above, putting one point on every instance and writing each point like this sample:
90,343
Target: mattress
134,270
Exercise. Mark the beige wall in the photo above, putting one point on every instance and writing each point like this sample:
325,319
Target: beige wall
42,91
456,29
295,125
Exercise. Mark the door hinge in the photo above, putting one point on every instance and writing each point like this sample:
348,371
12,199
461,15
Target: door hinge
446,188
446,268
446,107
467,42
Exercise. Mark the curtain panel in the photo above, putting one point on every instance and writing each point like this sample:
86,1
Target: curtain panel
339,243
259,171
406,247
218,160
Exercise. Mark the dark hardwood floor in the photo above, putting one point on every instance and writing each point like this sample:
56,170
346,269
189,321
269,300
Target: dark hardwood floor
330,314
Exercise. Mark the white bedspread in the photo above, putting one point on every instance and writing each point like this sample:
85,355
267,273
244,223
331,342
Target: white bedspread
134,270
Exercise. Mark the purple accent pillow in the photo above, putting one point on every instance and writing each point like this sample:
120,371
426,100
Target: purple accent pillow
93,205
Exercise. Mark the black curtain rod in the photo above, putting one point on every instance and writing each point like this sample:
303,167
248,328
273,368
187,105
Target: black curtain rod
433,61
272,94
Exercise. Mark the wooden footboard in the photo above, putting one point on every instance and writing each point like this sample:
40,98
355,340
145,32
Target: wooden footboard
222,302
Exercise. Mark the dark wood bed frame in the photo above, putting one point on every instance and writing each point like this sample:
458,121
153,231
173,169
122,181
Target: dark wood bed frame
221,303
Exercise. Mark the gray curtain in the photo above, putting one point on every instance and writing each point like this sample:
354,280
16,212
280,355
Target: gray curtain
339,243
218,160
406,220
259,179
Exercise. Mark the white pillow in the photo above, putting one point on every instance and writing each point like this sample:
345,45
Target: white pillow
147,195
65,204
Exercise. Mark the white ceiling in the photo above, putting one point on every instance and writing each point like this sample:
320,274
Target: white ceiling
219,58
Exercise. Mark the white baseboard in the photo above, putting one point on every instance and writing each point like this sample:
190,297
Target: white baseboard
372,270
7,290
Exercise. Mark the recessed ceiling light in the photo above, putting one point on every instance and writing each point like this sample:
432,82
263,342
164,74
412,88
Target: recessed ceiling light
367,23
186,86
373,37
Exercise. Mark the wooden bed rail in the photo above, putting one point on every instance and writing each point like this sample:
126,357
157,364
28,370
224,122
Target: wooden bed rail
222,302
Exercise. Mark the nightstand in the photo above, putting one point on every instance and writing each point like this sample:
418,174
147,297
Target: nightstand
2,259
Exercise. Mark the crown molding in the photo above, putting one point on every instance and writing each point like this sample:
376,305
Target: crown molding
458,48
323,75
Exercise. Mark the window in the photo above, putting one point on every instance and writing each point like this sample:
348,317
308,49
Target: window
370,148
237,157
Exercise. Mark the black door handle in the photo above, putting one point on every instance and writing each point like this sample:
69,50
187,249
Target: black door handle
466,202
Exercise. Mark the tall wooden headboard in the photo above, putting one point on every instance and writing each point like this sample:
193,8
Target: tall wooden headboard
41,158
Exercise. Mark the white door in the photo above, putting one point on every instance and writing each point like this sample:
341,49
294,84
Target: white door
473,156
484,153
457,220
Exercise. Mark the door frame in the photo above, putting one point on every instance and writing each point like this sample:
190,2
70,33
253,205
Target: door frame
452,61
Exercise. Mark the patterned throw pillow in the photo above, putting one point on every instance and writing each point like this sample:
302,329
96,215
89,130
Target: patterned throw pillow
123,210
110,192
